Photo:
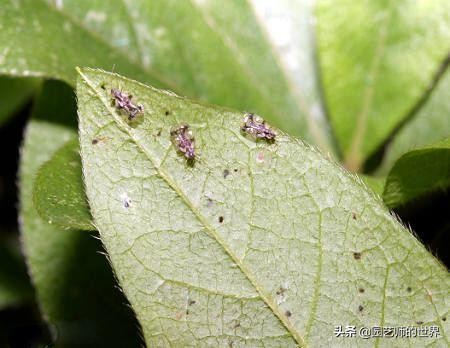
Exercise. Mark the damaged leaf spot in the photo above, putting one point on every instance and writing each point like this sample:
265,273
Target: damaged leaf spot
226,172
408,289
191,302
122,101
126,201
260,157
429,296
183,140
281,291
361,290
94,141
360,308
288,314
354,215
257,128
357,255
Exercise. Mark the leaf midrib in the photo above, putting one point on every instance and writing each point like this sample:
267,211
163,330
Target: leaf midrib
171,183
353,158
243,61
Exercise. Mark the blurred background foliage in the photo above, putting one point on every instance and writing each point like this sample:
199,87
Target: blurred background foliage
366,82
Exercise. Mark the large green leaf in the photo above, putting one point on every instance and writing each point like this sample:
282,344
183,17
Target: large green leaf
14,93
377,59
74,283
215,51
430,125
256,244
38,40
58,192
418,172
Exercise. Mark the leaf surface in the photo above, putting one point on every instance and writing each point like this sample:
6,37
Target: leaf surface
417,172
58,192
377,58
75,287
254,243
215,51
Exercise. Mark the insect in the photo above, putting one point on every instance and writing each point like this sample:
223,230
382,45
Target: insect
257,127
183,140
99,140
122,101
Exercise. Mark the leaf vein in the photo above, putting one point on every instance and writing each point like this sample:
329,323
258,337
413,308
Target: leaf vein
271,304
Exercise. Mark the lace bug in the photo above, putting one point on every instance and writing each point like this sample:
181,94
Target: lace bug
183,140
122,101
256,127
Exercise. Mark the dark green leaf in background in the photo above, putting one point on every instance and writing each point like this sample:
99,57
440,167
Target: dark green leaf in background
14,92
255,243
14,286
420,171
376,184
38,40
58,193
377,59
75,287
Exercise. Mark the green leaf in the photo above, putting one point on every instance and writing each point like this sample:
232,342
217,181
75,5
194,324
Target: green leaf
58,190
14,93
75,287
252,244
38,40
377,59
220,52
418,172
14,285
430,125
376,184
